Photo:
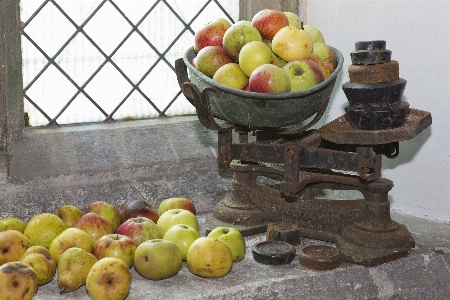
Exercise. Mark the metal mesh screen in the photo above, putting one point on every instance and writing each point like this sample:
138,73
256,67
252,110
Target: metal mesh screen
104,60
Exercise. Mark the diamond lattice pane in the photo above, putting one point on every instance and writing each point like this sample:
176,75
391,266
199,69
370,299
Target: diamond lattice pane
51,92
80,59
107,28
135,57
108,88
161,27
46,34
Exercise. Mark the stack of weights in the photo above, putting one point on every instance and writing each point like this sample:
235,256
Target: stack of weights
375,90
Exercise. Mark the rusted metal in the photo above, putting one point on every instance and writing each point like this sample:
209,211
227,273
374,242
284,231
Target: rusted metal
375,73
320,257
288,233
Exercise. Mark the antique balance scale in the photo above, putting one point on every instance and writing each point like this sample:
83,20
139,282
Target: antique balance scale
272,142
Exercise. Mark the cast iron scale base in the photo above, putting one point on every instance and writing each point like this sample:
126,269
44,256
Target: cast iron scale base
299,161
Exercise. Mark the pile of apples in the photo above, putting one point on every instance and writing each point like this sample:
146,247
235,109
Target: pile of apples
272,53
98,248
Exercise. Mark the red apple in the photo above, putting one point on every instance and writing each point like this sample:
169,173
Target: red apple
211,34
324,65
115,245
171,203
95,225
140,229
210,59
269,22
139,208
106,210
303,74
269,78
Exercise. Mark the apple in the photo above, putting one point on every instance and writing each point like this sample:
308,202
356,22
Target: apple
210,59
139,208
230,75
42,263
69,238
157,259
211,34
315,34
115,245
294,20
269,78
176,202
69,214
303,74
324,65
41,229
109,278
139,229
246,88
176,216
73,268
12,224
269,22
13,244
183,236
239,34
291,43
95,225
209,257
253,55
106,210
17,281
233,238
325,51
274,59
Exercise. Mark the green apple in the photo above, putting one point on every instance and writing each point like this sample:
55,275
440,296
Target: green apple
69,214
115,245
294,20
275,59
291,43
176,216
314,33
13,244
43,228
253,55
231,75
69,238
183,236
157,259
17,281
42,263
95,225
176,202
106,210
73,268
269,78
210,59
109,278
209,257
303,74
239,34
233,238
325,51
12,224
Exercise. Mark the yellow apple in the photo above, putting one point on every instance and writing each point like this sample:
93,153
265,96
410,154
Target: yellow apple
232,76
253,55
291,43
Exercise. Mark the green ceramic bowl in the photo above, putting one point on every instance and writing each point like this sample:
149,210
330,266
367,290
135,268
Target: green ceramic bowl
258,110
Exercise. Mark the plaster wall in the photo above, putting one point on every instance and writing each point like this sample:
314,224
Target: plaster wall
417,33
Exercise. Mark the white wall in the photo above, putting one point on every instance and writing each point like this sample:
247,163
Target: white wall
418,34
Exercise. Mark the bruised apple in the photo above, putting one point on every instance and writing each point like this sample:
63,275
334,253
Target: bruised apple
291,43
